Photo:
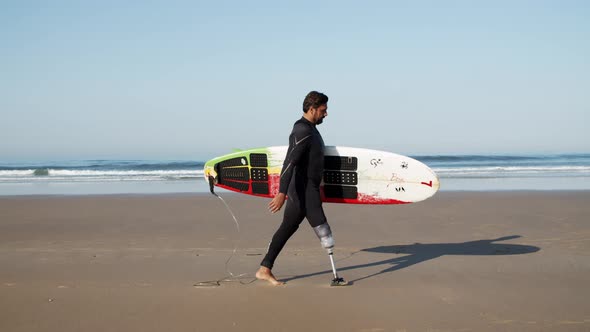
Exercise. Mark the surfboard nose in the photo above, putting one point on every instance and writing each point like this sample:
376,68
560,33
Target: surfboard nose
436,183
209,173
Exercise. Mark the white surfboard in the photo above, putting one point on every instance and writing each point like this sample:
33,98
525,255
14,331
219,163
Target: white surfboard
351,175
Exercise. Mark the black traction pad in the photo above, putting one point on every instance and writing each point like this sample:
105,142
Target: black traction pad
239,161
337,177
340,163
241,186
332,191
258,160
260,188
235,173
259,174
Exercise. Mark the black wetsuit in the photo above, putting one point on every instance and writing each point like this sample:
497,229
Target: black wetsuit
300,180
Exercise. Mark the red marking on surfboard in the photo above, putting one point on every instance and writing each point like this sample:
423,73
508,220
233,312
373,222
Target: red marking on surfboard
364,200
427,183
360,199
274,182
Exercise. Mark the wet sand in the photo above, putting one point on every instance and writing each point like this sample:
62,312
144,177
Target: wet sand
461,261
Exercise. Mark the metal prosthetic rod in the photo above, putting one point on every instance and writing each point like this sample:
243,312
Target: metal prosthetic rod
337,281
333,266
324,233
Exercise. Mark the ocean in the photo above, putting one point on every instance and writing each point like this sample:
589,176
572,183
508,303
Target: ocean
456,172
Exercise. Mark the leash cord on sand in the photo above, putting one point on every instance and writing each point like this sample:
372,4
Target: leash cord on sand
230,277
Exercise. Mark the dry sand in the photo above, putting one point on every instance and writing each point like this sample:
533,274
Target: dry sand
496,261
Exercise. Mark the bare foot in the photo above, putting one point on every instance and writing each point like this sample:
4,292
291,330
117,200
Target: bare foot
264,273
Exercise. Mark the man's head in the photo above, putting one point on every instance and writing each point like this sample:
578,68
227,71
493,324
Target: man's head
315,107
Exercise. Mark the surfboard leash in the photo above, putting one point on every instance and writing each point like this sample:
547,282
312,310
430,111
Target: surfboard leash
231,277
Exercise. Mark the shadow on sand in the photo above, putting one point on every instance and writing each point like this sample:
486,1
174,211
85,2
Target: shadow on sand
418,253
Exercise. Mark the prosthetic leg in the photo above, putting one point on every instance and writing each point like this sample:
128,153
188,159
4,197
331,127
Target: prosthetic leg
324,233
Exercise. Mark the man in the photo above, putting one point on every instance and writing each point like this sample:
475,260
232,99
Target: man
300,181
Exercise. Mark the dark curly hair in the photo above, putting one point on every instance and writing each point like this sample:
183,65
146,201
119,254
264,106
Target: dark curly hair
314,99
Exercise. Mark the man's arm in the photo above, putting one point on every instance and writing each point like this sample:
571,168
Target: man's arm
298,147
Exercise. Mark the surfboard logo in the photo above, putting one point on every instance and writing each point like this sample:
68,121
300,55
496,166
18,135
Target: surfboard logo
404,165
376,162
427,183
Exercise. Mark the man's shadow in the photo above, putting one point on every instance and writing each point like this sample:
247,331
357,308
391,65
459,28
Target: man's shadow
418,253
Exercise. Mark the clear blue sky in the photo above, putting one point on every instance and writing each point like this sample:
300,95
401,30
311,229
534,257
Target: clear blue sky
194,79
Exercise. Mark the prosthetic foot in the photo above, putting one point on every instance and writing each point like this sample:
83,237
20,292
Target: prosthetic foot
337,281
324,233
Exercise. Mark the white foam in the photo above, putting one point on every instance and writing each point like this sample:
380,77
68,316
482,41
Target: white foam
17,172
102,176
490,169
512,171
125,173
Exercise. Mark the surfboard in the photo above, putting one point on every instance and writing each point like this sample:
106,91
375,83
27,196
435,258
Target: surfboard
351,175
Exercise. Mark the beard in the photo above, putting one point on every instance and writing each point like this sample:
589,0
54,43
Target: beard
320,120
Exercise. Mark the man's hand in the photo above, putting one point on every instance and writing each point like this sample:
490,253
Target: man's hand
277,203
